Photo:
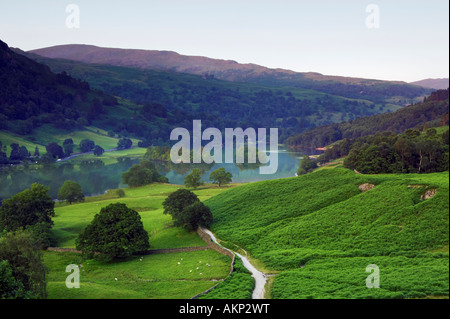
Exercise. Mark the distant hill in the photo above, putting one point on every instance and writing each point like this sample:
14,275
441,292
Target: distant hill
373,90
434,109
31,96
220,103
438,84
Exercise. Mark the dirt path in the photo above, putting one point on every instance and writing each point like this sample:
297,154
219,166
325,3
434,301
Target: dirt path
260,277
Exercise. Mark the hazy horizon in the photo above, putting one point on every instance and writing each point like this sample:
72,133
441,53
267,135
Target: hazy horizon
409,44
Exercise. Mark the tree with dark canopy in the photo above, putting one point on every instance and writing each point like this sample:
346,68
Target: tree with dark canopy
187,210
71,191
116,232
24,270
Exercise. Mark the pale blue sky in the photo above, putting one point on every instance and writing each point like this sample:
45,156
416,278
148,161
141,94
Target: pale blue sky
323,36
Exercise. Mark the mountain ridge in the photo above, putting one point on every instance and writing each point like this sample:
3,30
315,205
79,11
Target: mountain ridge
438,84
231,70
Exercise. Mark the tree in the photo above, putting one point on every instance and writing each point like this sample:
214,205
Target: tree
10,287
55,150
405,148
193,179
98,150
306,165
86,145
14,155
95,109
149,111
124,143
116,232
195,215
445,137
3,158
142,174
177,201
24,263
27,208
18,153
187,210
220,177
71,191
68,146
36,152
431,132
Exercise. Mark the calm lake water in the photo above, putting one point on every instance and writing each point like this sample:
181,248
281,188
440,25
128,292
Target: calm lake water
287,167
97,179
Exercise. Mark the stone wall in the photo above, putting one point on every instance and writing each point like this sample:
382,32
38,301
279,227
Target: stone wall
213,245
219,249
147,252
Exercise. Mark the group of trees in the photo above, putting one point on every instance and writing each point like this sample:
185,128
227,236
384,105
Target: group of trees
413,151
220,176
306,165
187,210
55,151
25,229
32,95
30,209
18,154
433,110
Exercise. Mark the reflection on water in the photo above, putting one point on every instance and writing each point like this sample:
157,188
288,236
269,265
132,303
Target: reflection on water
96,178
287,167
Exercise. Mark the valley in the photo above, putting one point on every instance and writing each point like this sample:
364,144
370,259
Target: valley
88,114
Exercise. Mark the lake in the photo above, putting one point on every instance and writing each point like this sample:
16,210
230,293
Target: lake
96,178
287,167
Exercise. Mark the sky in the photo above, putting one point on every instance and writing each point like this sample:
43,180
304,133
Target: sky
376,39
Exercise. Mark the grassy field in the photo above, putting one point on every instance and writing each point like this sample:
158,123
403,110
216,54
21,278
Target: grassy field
164,276
112,157
47,134
320,231
8,138
239,285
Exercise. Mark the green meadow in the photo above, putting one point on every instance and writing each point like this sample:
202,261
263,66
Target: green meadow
9,138
47,134
319,231
316,233
159,276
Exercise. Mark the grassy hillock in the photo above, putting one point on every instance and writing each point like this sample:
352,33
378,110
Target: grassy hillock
322,231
